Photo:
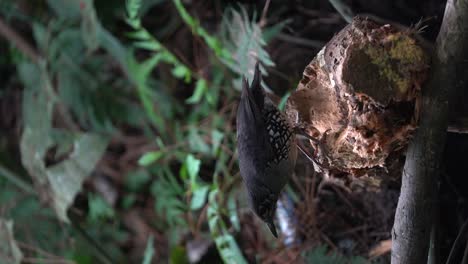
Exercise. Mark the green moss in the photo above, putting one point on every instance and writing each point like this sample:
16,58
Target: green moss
399,56
406,50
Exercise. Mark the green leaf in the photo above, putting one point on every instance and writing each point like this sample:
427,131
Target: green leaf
66,9
320,255
225,242
118,51
136,180
211,41
271,32
82,258
233,216
169,197
89,25
197,144
41,36
150,158
149,251
193,167
66,177
199,197
148,45
61,182
178,255
129,200
9,250
155,118
200,89
139,73
180,71
35,139
216,139
284,99
133,7
99,209
148,65
141,35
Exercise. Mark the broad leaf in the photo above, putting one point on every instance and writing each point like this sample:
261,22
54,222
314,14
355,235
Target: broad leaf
150,157
58,184
67,177
193,167
199,197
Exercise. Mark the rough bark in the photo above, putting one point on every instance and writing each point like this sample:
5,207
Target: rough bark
411,231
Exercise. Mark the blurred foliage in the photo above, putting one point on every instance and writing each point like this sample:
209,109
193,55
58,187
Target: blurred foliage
99,78
320,255
9,249
149,251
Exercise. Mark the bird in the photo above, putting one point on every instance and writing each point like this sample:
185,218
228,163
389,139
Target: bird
266,148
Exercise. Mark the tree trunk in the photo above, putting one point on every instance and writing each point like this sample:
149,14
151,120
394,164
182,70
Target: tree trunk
413,218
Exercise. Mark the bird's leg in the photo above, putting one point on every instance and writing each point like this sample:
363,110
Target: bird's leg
311,158
327,179
319,142
302,132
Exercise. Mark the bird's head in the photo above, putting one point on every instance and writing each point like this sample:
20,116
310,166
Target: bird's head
263,203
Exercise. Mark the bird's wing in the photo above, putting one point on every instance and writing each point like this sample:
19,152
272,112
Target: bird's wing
256,87
254,147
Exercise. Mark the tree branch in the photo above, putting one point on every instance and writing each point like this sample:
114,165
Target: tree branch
411,230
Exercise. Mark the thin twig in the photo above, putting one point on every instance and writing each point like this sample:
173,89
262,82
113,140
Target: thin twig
457,130
9,34
458,242
46,261
101,253
458,125
345,11
263,19
465,255
316,44
37,250
17,180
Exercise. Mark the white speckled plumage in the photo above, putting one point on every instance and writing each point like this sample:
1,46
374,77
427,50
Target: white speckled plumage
267,149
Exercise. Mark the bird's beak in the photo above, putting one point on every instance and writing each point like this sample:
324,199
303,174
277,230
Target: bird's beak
272,227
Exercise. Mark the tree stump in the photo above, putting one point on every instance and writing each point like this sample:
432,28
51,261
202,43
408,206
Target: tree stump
360,96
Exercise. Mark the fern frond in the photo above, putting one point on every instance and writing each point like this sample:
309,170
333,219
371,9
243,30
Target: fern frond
212,42
140,72
225,242
244,40
133,8
144,40
169,195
